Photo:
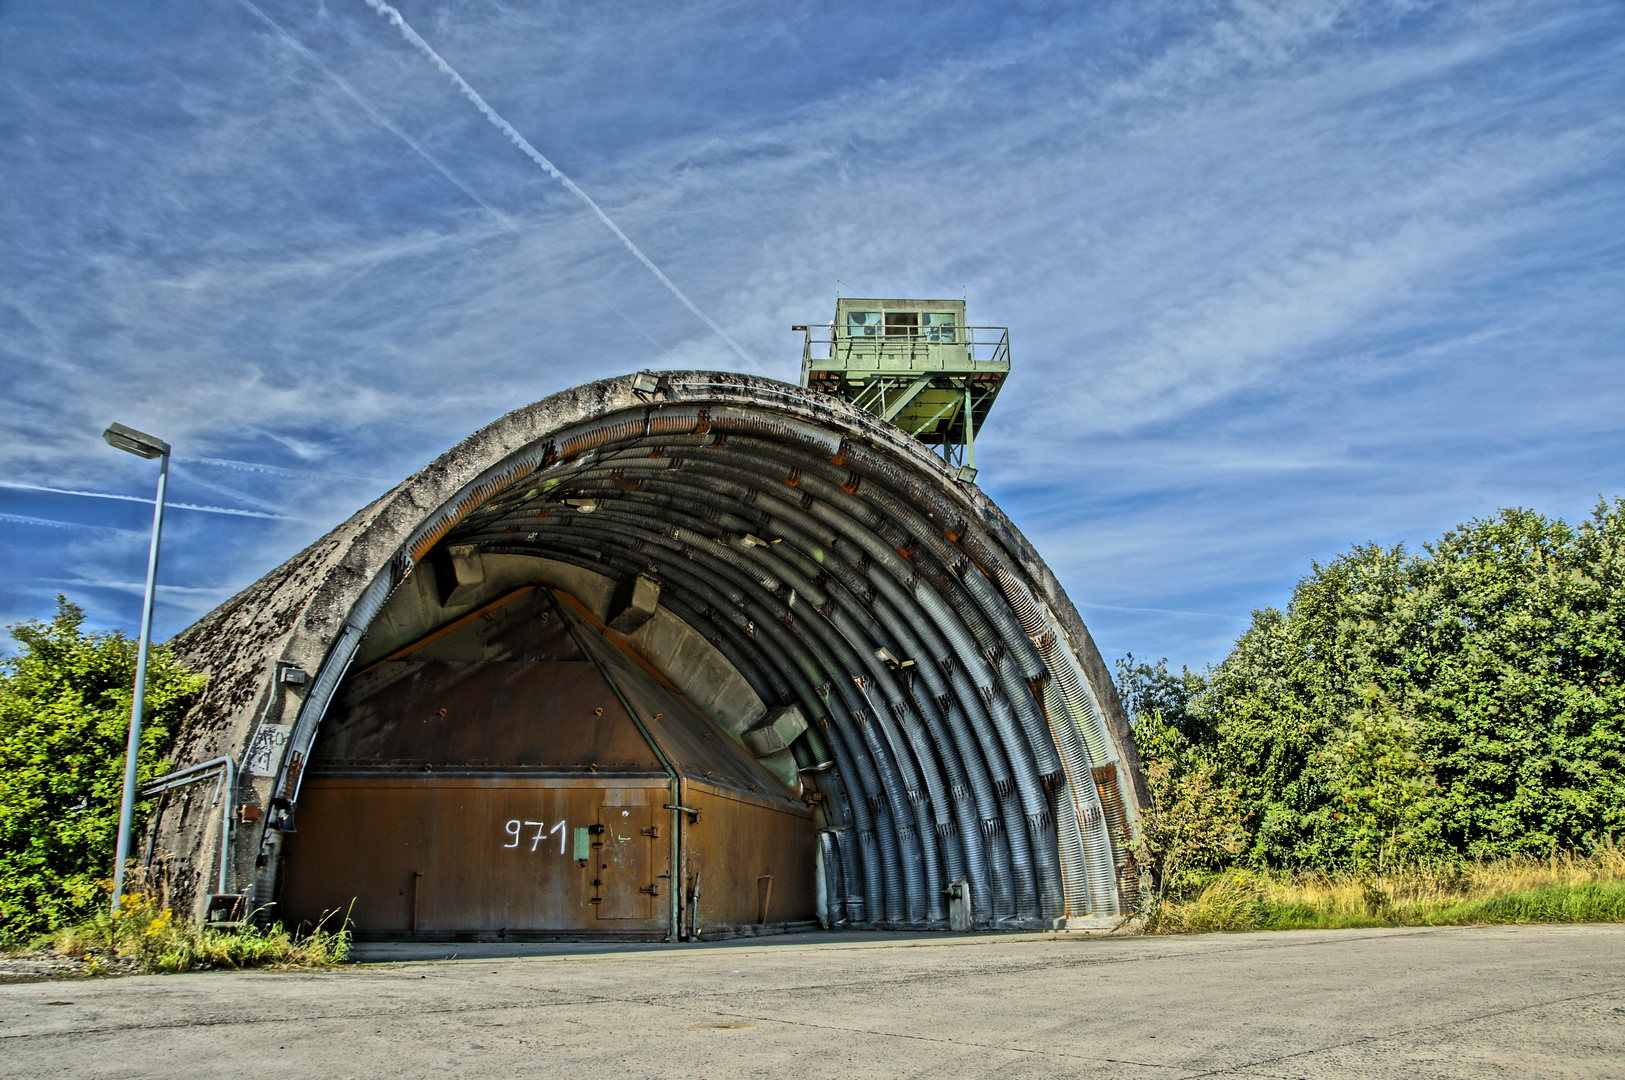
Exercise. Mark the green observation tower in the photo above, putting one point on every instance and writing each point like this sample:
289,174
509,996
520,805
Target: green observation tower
913,363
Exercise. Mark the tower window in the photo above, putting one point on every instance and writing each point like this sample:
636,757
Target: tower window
902,323
863,324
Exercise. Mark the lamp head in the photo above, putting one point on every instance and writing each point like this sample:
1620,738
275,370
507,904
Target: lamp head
135,442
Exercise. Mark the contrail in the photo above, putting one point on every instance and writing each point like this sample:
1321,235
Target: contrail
552,170
50,523
382,120
139,499
507,223
137,586
435,163
275,470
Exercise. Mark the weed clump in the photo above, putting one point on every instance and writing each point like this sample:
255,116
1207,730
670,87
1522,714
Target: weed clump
1561,889
144,937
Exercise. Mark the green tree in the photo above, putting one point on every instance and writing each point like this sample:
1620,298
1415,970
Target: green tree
1462,702
1382,791
1193,825
64,724
1515,641
1151,690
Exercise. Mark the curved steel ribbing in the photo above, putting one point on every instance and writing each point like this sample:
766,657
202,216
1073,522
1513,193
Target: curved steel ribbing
963,732
850,676
729,606
861,711
833,693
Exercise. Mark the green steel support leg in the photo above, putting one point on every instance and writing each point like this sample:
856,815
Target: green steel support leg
970,429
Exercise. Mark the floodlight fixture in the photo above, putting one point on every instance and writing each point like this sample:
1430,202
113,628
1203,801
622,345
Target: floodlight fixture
134,442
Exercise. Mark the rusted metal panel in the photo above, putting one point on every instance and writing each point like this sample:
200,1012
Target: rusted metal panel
696,747
753,862
489,714
518,626
438,857
502,788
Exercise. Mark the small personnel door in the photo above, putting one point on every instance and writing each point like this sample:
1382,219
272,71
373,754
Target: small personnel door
629,882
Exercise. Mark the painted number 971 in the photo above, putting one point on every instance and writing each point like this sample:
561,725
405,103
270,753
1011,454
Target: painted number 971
516,829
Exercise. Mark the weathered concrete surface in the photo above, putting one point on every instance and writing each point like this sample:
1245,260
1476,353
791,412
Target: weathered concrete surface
1484,1002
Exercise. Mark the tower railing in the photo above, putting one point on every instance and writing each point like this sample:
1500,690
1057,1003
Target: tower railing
830,348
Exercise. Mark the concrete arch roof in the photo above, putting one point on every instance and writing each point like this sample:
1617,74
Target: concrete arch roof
1004,753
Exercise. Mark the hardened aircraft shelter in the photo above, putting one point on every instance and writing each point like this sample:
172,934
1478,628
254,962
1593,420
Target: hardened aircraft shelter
669,656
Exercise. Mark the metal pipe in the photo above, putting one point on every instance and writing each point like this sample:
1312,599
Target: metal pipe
834,657
703,546
202,771
959,526
880,507
834,882
849,708
699,548
872,860
970,789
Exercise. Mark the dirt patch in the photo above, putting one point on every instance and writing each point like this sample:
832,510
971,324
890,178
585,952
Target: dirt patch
42,964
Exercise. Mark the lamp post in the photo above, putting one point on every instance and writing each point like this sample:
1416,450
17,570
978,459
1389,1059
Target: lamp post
146,446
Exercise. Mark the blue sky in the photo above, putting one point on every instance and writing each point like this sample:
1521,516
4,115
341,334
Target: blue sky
1280,277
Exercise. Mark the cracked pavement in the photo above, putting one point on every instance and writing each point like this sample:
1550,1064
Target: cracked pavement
1524,1001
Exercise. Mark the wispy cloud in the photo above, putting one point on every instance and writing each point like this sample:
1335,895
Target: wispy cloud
378,118
1280,276
139,588
524,145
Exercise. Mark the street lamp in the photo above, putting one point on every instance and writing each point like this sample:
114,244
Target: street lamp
142,445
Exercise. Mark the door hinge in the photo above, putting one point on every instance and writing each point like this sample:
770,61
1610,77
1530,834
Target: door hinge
652,890
653,830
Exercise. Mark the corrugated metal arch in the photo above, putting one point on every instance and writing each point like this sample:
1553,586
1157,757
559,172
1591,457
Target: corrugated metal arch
817,548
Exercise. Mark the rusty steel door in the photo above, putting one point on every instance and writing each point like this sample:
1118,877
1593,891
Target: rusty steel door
755,859
632,876
437,857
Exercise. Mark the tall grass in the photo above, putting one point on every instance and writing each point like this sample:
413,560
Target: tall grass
1564,888
147,937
